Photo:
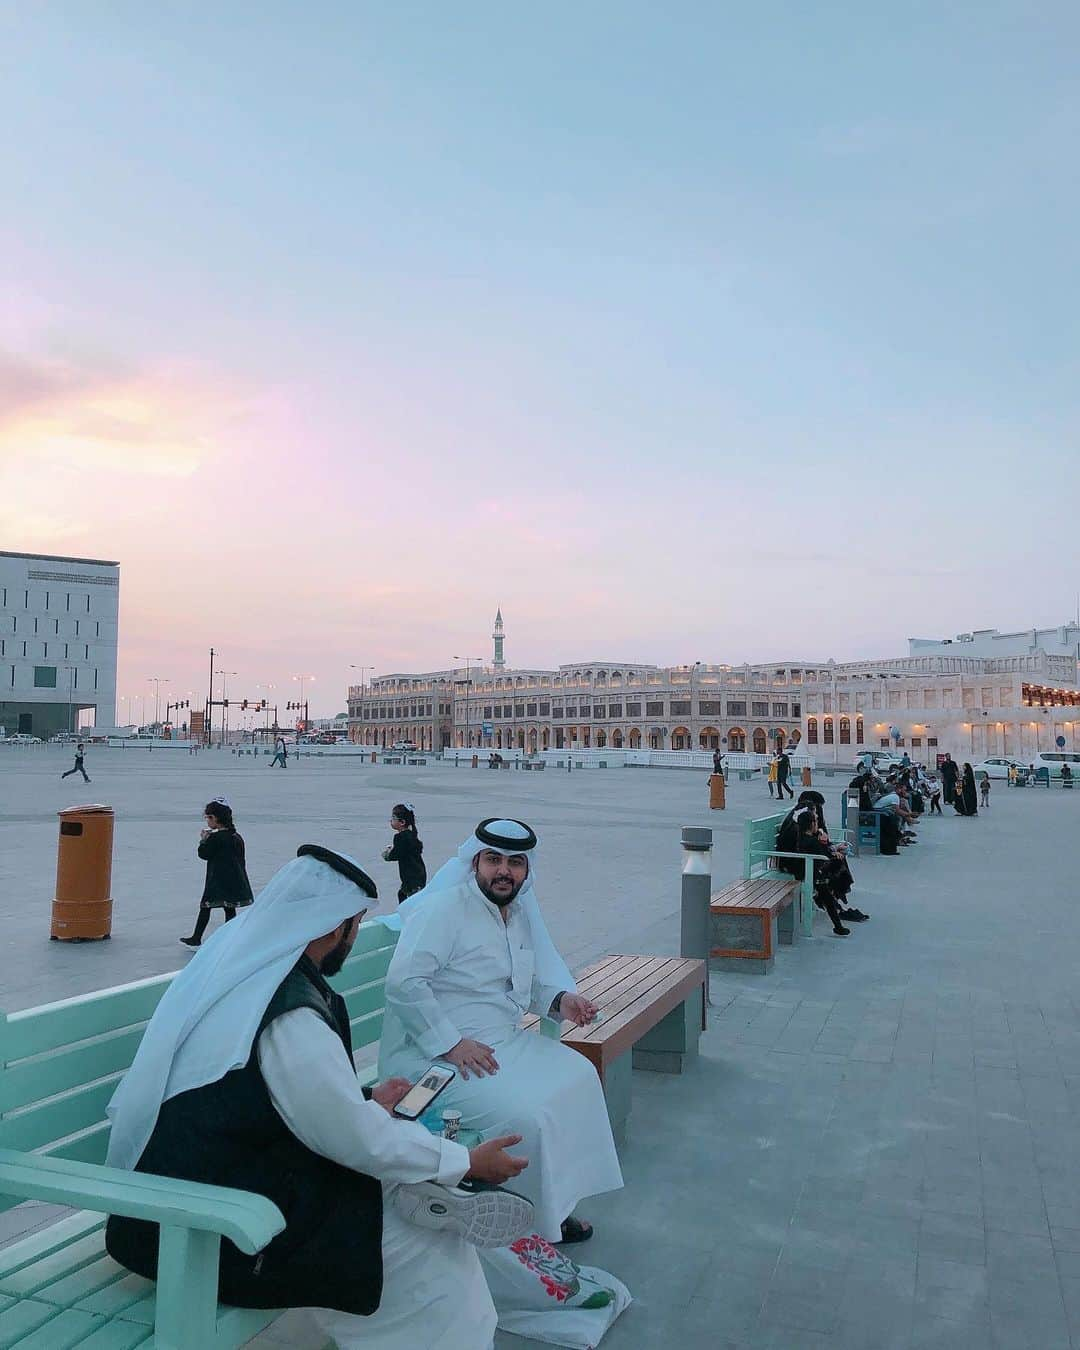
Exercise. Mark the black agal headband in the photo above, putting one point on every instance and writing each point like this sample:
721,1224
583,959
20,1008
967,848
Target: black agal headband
340,864
508,843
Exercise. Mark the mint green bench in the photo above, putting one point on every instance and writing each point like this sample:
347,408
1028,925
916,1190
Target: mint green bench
59,1066
759,857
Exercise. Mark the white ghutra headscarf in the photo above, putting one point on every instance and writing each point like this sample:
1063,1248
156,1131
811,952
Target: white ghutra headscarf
508,837
206,1021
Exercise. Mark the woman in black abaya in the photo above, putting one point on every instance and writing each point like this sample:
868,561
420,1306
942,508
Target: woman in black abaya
967,794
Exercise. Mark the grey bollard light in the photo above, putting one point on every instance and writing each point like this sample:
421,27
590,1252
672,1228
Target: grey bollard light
696,891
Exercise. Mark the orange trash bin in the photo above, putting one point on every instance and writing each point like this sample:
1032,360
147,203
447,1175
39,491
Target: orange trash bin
82,907
476,761
717,798
806,782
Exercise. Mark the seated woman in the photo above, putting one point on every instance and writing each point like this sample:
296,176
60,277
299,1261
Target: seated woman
801,833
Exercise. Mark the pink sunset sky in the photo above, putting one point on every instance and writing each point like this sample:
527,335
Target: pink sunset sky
679,339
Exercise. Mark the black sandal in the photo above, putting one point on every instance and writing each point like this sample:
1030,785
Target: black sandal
575,1230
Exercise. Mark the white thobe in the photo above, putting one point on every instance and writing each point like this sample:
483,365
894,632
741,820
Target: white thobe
459,971
434,1293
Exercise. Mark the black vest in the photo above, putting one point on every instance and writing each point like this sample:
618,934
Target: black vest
229,1134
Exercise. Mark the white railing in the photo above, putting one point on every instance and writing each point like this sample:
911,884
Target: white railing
665,759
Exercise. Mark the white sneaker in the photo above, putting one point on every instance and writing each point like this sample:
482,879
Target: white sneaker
483,1216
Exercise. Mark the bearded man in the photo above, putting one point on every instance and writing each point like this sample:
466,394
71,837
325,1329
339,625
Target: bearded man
244,1077
474,957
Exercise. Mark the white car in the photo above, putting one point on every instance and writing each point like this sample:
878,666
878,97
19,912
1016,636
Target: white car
1055,760
403,745
997,766
23,739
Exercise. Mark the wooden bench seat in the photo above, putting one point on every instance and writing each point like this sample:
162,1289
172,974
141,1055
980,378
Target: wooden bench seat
652,1011
747,920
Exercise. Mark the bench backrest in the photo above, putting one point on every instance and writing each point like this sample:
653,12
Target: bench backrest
60,1063
759,839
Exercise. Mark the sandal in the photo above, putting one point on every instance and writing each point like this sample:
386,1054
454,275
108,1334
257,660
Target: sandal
575,1230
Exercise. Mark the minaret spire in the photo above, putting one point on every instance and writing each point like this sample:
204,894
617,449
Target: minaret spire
499,663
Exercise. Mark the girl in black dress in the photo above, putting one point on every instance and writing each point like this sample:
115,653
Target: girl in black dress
227,886
406,850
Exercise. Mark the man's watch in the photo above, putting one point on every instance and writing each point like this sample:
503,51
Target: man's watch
556,1004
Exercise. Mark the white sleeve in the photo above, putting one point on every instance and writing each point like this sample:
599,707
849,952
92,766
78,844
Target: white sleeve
425,946
317,1095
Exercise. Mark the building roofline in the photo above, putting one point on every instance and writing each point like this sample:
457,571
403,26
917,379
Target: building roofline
57,557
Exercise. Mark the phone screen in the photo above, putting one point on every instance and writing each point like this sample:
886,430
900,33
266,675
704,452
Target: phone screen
420,1096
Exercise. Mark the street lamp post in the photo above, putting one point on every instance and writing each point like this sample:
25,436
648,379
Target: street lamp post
157,681
224,706
468,686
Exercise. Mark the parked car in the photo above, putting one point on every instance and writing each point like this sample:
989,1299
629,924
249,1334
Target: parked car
404,745
997,766
64,738
1055,761
21,738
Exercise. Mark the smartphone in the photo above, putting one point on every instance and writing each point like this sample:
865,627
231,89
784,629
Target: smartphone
423,1092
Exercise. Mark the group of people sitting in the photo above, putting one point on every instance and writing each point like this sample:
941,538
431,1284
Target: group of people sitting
803,830
245,1078
910,791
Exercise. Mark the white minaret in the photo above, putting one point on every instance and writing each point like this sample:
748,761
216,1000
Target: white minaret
499,662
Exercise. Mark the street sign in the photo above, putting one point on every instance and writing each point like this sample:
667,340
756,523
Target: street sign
487,728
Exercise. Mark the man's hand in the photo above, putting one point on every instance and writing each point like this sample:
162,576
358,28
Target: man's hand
388,1094
491,1162
473,1056
574,1008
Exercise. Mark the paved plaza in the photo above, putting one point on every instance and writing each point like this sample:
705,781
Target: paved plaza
878,1146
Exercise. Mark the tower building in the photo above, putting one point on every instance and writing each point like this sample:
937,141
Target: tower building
499,662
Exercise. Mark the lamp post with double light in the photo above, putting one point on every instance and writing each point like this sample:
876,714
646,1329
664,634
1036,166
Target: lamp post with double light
469,661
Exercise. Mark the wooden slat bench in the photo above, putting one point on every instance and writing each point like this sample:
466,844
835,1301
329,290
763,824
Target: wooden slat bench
748,919
652,1012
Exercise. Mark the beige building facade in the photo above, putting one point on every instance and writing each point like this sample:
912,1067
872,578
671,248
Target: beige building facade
971,707
589,705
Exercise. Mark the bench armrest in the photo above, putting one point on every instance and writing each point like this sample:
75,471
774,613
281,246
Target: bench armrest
248,1220
774,853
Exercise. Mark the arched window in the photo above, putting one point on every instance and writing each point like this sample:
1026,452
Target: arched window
616,739
736,740
709,738
811,731
680,739
858,731
601,739
635,739
828,731
761,741
845,731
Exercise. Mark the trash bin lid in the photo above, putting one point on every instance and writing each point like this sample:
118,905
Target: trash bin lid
94,808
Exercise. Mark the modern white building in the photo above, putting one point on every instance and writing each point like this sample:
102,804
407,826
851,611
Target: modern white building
58,637
1061,641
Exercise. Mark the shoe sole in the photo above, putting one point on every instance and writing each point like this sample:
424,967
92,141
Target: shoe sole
484,1218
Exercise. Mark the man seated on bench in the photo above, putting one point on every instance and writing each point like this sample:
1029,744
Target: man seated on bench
473,958
244,1077
870,787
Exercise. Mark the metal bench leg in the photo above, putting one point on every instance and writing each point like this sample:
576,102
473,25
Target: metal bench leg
805,900
673,1040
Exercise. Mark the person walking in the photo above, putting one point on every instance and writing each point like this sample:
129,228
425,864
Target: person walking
718,763
773,770
406,850
966,800
281,753
984,790
80,752
227,886
783,773
949,772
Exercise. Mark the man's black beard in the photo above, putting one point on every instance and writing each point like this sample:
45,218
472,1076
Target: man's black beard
335,959
501,900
